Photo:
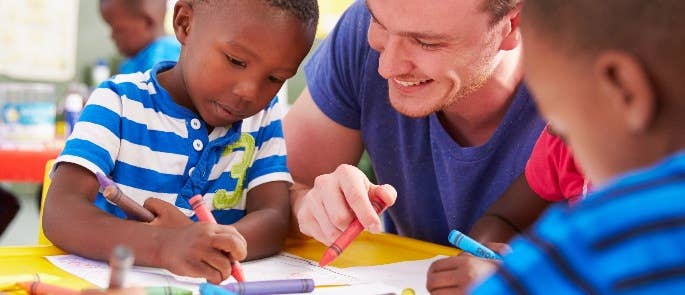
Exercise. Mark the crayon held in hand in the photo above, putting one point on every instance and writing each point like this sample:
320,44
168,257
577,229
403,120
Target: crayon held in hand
344,240
203,214
112,193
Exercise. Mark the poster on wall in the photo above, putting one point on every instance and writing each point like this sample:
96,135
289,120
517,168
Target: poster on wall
38,39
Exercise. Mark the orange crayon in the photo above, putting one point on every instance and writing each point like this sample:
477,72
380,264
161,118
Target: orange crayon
40,288
203,214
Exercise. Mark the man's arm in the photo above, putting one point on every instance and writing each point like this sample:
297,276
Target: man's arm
329,191
515,211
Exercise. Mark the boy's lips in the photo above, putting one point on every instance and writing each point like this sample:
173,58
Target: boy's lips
231,112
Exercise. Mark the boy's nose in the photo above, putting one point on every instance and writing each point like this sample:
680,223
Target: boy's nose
246,90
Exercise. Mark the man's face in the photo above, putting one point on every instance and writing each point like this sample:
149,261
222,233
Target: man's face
129,31
567,96
236,58
432,52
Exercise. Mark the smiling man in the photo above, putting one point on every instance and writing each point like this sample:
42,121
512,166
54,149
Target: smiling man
433,90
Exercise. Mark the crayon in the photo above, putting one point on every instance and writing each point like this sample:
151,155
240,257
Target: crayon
271,287
112,193
167,290
40,288
211,289
344,240
203,214
469,245
119,264
10,281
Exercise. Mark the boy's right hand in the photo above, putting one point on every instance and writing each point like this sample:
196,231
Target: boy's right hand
336,199
200,250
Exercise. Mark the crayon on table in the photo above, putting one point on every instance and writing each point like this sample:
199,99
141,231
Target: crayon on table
112,193
119,264
40,288
203,214
10,281
211,289
167,290
469,245
265,287
344,240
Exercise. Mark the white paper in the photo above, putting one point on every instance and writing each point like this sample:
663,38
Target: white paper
380,279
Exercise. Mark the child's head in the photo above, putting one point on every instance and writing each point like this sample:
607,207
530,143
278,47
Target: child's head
236,54
608,76
134,23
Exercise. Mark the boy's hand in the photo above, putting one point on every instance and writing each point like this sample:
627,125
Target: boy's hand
167,215
456,274
336,199
200,250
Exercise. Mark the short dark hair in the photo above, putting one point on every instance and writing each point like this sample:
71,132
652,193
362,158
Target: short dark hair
307,11
498,9
653,31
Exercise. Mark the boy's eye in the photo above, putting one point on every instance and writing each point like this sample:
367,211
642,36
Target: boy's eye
276,80
236,62
425,45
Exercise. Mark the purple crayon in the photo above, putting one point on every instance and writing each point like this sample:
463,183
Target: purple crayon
271,287
128,205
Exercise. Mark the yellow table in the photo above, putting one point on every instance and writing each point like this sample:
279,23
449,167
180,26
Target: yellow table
366,250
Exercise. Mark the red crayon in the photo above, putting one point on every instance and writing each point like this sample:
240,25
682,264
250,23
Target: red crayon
40,288
203,214
344,240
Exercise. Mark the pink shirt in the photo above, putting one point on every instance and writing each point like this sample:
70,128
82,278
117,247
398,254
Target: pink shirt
551,171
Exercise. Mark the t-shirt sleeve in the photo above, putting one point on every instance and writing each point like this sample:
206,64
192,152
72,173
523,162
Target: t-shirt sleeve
551,171
269,159
336,69
95,141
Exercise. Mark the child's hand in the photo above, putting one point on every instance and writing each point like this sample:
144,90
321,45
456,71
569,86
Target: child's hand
201,250
167,215
456,274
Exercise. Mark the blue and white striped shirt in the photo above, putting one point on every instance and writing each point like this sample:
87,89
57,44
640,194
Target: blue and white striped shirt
133,131
626,238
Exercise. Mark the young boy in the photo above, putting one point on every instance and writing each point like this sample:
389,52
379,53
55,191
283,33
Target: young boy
611,85
205,125
138,32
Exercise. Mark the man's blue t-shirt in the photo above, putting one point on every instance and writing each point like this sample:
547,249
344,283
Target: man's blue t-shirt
165,48
625,238
440,184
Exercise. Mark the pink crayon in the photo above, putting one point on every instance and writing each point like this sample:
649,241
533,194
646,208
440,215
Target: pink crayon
203,214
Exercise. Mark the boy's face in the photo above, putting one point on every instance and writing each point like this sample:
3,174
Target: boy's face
567,96
237,56
432,52
130,32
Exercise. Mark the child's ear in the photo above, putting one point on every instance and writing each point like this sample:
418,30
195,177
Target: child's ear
183,14
624,81
511,29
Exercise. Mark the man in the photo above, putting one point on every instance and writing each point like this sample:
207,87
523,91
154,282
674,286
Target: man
432,90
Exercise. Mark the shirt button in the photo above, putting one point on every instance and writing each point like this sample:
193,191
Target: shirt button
195,123
197,144
190,171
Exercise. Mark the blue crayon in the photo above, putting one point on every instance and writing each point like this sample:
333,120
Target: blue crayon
211,289
469,245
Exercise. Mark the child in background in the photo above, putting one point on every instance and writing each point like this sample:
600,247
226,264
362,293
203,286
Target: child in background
551,176
206,125
612,87
138,32
9,206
